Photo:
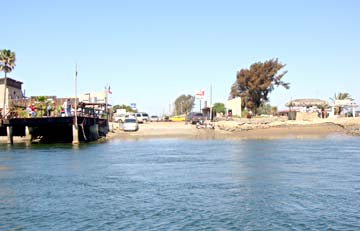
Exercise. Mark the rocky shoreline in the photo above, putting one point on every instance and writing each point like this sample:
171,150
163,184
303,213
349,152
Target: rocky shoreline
349,125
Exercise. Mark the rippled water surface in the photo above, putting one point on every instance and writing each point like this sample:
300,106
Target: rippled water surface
288,184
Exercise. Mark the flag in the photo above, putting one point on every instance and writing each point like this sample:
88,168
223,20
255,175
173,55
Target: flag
200,94
109,90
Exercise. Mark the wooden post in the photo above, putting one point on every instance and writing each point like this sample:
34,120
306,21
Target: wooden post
10,138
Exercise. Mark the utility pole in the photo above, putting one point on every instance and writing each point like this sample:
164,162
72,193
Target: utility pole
76,95
75,129
211,106
106,96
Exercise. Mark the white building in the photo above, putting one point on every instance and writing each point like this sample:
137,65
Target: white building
93,97
233,106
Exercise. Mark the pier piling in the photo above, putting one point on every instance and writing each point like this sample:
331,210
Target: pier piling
10,137
27,134
75,134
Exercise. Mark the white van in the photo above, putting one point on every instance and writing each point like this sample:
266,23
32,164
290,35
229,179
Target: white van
142,117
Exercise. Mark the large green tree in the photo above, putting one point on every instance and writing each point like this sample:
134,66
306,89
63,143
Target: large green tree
255,84
184,104
126,107
267,109
7,64
219,107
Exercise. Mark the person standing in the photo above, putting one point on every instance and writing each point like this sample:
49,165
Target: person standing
48,110
28,110
82,105
67,107
32,108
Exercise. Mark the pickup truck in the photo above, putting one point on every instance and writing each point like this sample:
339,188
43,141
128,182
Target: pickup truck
195,117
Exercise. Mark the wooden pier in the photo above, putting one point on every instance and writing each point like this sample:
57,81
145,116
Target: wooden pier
55,129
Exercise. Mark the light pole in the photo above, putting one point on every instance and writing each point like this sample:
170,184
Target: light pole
75,130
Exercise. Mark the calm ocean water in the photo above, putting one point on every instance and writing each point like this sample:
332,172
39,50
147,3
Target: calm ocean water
288,184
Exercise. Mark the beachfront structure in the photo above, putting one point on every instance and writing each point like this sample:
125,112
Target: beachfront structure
307,105
233,107
307,109
13,91
347,104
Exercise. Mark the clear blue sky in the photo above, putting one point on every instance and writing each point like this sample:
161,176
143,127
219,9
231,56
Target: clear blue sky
150,52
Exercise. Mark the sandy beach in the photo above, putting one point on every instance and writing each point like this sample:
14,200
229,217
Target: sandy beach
256,129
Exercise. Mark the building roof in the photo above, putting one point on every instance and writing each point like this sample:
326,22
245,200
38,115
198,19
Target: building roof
344,103
306,103
9,80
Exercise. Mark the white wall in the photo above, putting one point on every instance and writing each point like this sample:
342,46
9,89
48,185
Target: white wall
99,97
11,93
235,106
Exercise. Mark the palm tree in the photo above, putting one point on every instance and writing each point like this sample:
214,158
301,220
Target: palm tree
7,64
340,96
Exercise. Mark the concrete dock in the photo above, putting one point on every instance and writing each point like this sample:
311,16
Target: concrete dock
54,129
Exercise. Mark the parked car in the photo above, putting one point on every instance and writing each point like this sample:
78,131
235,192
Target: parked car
165,118
177,118
195,117
130,125
142,117
130,115
154,118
